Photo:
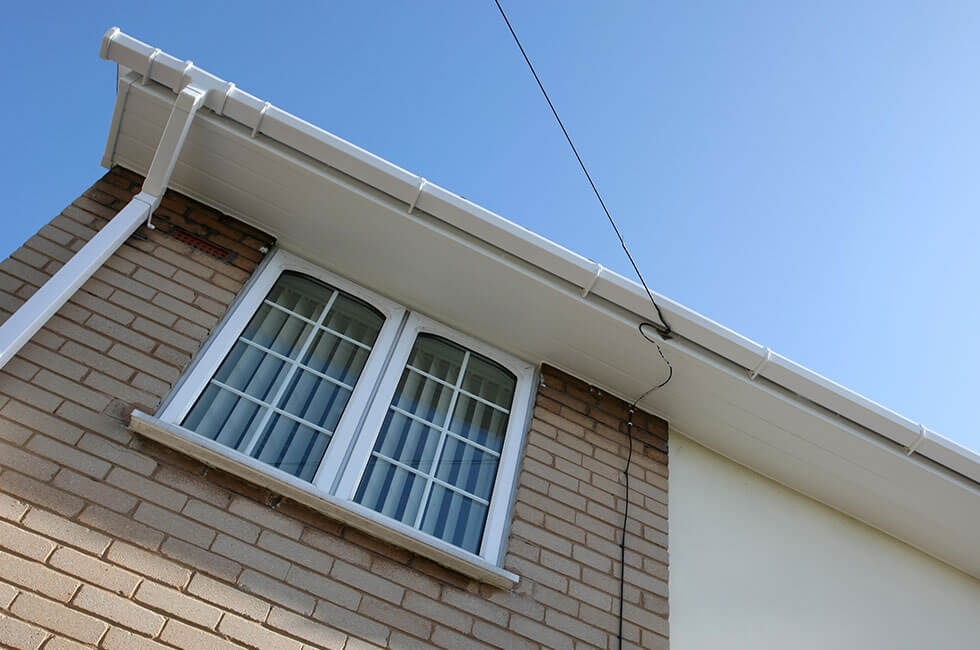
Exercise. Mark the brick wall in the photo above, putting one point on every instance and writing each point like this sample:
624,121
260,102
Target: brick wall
110,540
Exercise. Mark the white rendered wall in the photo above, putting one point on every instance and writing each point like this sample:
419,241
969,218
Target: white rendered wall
756,565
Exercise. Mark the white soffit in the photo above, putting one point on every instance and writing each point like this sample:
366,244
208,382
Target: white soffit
346,209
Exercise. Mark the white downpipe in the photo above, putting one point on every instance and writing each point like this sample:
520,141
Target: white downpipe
33,314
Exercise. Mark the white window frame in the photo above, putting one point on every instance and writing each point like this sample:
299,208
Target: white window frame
336,479
495,528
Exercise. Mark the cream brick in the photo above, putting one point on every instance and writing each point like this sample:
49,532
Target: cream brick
109,331
100,423
475,605
14,433
25,392
397,640
560,563
41,421
120,610
445,638
150,490
324,587
266,516
193,485
119,281
7,594
39,493
177,604
368,582
250,556
57,617
95,571
18,634
407,576
576,628
71,390
592,558
102,306
547,636
147,564
52,361
183,636
166,335
97,360
197,557
174,524
276,592
31,464
122,527
69,456
296,552
396,617
337,547
254,635
436,611
24,543
221,520
193,314
228,597
304,628
350,622
36,577
61,643
116,454
501,638
119,639
556,600
124,391
537,573
205,287
93,490
144,362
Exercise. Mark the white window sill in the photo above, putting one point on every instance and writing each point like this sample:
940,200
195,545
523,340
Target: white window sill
348,512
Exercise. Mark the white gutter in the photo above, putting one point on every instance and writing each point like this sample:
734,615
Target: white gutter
263,119
33,314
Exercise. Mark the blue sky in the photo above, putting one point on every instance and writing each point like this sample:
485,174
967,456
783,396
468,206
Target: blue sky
805,175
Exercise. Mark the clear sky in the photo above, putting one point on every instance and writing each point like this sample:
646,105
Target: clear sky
803,173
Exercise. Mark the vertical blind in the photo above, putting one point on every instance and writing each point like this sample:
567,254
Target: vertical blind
280,392
435,460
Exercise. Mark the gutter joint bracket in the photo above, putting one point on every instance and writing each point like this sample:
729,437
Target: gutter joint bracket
149,65
418,195
596,272
759,367
258,123
923,434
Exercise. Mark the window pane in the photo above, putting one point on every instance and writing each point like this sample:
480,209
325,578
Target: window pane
489,381
424,397
453,461
391,490
468,468
279,394
292,447
277,330
479,422
408,441
437,357
455,518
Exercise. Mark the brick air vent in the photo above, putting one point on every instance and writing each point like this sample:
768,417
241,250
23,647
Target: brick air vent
213,250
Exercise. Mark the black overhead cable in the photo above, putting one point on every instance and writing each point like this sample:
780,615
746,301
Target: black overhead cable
663,329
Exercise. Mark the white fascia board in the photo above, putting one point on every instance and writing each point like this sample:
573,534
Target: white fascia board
326,148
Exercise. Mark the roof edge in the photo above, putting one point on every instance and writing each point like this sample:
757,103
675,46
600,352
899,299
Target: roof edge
224,98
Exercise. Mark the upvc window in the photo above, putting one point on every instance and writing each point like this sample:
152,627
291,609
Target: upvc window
319,382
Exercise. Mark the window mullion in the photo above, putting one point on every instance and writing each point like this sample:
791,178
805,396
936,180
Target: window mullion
442,440
289,375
